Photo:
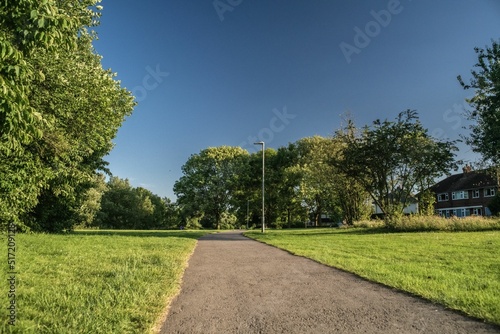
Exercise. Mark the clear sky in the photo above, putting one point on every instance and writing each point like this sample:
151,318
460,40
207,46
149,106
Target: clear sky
229,72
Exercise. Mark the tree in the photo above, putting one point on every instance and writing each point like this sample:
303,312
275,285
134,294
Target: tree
91,202
394,159
171,215
350,195
79,107
126,207
494,205
485,132
323,186
84,107
315,177
289,201
210,183
120,206
26,28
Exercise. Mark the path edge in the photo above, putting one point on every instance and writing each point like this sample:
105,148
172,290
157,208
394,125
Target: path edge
158,324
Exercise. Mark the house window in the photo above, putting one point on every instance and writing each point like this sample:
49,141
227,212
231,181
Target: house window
475,193
489,192
459,195
443,197
477,212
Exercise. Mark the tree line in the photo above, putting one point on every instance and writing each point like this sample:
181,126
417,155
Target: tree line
60,110
337,177
386,164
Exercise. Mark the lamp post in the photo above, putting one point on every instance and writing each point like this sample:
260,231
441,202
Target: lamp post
263,177
248,209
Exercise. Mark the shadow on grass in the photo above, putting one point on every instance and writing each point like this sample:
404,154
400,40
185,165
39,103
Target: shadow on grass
145,233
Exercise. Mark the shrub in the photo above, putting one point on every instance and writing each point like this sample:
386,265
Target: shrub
494,205
433,223
437,223
376,223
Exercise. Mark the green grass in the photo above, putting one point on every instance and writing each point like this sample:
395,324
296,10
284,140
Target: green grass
95,281
460,270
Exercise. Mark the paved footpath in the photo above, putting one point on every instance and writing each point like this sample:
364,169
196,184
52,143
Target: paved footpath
237,285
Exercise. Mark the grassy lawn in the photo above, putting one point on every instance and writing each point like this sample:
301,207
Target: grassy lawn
460,270
95,281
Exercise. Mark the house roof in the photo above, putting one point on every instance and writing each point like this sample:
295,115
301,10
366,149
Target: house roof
465,181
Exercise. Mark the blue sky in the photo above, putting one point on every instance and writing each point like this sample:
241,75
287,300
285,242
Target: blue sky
227,72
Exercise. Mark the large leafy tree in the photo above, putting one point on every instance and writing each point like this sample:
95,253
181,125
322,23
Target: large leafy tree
323,187
485,81
26,28
210,184
289,201
394,159
59,112
279,193
282,205
315,186
350,196
84,107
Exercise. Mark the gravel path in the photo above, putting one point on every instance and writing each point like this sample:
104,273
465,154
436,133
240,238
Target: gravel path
237,285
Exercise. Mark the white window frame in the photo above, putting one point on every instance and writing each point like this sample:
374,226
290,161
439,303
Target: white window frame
458,195
489,192
475,193
447,197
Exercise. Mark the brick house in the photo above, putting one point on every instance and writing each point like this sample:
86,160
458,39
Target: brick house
465,194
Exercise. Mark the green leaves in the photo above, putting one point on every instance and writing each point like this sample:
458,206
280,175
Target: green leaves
41,22
210,182
485,132
28,28
47,131
125,207
394,159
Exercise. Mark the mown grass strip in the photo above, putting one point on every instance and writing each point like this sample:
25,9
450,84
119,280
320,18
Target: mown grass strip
96,281
460,270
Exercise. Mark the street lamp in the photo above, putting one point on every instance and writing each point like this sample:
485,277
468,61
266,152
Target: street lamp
248,210
263,176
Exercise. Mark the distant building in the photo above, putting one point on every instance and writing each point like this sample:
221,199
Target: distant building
410,208
465,194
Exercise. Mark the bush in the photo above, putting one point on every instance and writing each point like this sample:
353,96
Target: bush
437,223
418,223
375,223
193,223
494,205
